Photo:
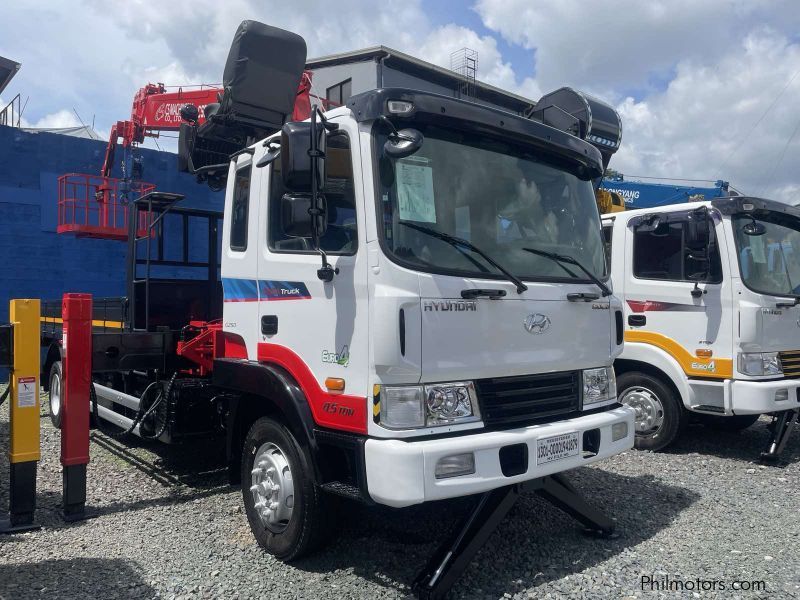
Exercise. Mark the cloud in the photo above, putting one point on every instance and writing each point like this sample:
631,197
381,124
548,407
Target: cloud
62,118
690,79
708,122
607,46
443,41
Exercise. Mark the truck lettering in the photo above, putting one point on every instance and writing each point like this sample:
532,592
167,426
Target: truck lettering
341,358
449,305
334,408
710,367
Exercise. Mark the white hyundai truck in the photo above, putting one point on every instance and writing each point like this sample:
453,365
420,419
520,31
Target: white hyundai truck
413,305
712,323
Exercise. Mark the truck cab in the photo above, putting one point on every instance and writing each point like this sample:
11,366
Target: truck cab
420,351
710,293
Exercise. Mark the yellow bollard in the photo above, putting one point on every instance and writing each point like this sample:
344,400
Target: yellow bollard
24,418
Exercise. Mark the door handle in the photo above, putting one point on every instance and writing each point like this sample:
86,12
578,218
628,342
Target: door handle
637,320
269,324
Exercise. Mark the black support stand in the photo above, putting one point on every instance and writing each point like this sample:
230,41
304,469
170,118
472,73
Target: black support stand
74,486
781,427
451,559
22,498
559,492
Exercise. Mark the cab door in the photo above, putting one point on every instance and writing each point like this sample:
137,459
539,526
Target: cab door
314,329
240,253
675,300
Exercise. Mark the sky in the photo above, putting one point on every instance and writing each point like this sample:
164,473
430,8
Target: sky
706,89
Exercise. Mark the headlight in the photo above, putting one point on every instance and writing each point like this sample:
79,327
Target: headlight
401,407
447,403
599,385
404,407
760,363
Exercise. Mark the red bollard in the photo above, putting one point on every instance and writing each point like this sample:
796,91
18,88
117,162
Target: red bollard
76,312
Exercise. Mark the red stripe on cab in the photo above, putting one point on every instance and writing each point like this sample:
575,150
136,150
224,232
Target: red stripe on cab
337,411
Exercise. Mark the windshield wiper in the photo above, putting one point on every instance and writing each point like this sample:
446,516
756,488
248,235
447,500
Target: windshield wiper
457,241
560,258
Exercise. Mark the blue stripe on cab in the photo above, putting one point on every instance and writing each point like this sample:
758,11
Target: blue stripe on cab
239,290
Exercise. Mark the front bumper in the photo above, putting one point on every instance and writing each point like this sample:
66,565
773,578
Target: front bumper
401,473
758,397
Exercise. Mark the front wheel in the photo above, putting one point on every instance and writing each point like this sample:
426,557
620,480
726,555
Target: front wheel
284,506
56,379
660,417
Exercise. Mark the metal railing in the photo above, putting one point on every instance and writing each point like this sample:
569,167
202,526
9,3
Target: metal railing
98,207
11,115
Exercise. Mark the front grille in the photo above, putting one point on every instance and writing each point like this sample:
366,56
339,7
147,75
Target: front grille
790,361
527,399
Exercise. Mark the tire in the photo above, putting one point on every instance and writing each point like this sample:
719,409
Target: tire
732,423
298,525
56,380
660,415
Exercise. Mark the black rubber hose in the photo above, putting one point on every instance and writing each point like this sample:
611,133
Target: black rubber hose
165,396
140,415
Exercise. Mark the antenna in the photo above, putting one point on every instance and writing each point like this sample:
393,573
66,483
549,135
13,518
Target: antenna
465,63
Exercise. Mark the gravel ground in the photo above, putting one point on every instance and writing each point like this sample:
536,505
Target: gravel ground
168,526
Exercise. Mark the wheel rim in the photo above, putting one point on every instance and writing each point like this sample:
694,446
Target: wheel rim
649,409
55,395
272,487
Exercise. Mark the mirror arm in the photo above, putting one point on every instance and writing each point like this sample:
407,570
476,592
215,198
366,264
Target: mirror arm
697,292
326,272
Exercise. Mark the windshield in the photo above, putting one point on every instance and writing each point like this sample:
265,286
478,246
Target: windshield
770,263
498,197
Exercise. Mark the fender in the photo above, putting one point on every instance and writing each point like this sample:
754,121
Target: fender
268,381
661,360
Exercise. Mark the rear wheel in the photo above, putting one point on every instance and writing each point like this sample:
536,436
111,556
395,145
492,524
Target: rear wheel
660,417
56,379
732,423
284,506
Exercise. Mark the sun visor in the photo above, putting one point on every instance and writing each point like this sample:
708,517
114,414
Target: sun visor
584,116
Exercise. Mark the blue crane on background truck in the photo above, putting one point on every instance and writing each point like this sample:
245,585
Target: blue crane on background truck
640,194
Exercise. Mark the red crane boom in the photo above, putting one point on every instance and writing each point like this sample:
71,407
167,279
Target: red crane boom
154,110
95,206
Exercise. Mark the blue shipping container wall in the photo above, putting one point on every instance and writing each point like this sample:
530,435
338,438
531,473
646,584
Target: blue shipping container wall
37,262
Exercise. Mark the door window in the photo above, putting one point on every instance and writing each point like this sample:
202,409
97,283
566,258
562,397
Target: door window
662,253
608,231
239,209
341,235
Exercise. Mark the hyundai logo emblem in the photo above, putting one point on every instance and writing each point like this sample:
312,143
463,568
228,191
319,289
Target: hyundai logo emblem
537,323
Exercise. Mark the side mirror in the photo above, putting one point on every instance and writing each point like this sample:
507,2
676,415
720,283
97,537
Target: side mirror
296,219
698,235
296,159
403,143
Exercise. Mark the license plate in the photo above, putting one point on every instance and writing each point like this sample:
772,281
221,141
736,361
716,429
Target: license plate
557,447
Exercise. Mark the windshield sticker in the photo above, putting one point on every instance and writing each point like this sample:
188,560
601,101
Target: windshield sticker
757,251
415,197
